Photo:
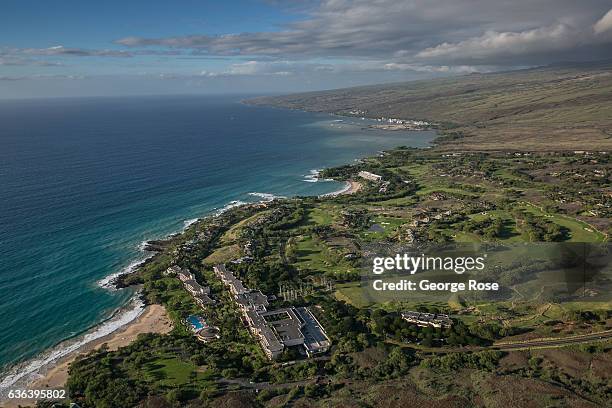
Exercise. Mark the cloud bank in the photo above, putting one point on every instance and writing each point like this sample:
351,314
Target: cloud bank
467,32
334,43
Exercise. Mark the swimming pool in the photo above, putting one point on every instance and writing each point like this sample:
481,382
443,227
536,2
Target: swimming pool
196,322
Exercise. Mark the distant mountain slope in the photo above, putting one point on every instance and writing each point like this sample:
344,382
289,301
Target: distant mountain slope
563,107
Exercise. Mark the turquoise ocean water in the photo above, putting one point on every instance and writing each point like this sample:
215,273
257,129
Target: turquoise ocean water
83,182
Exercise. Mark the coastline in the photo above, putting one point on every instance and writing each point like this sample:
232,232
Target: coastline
50,369
152,319
52,365
350,187
355,186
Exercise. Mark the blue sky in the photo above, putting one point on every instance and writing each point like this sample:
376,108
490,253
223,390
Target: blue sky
73,48
79,23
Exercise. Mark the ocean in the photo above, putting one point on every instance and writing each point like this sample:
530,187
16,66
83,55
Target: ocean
85,181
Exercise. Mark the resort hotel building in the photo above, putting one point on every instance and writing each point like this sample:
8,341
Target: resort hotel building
428,319
277,329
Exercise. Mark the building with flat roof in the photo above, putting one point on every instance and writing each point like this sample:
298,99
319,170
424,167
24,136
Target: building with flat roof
286,325
270,343
253,300
315,338
276,329
369,176
428,319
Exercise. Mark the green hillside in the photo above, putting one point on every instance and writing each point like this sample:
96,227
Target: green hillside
564,107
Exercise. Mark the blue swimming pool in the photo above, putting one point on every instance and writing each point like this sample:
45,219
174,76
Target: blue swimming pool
196,322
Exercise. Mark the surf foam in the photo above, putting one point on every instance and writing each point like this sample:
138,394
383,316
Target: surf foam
31,369
265,196
108,282
347,187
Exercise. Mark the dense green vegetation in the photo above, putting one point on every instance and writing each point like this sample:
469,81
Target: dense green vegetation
314,246
521,157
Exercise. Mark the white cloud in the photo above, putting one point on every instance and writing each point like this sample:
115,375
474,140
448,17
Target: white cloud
39,76
492,44
400,30
60,50
339,39
604,24
253,67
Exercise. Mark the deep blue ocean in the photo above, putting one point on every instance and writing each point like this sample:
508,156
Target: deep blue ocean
83,182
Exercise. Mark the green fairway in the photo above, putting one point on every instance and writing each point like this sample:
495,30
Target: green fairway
312,254
579,231
320,216
170,371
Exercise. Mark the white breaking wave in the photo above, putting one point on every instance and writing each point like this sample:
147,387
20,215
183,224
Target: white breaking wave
265,196
143,245
229,206
189,223
108,281
347,187
313,176
30,370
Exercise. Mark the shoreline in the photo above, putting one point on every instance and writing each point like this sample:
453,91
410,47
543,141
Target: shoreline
350,187
51,366
28,370
53,375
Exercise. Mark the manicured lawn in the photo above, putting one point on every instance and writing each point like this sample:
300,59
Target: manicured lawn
232,234
169,371
579,231
223,254
449,190
396,202
319,216
509,233
461,236
315,255
416,170
387,226
351,293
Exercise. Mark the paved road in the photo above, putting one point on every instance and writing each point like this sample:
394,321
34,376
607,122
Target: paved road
535,343
583,338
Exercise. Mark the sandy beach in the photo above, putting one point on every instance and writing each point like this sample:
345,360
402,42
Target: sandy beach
153,319
350,187
355,187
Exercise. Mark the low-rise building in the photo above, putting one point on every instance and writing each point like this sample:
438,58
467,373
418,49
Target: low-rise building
276,329
428,319
369,176
201,294
228,278
316,340
174,270
253,300
288,327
